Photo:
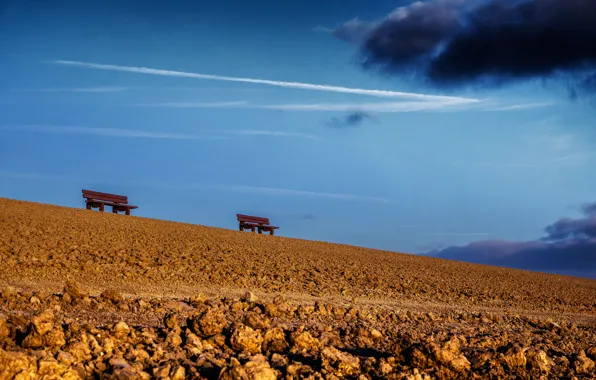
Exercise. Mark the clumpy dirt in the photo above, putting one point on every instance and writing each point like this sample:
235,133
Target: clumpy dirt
95,295
74,335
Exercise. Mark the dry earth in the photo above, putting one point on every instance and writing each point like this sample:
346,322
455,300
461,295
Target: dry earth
94,295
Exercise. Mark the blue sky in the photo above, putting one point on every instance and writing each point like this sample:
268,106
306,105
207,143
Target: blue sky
421,173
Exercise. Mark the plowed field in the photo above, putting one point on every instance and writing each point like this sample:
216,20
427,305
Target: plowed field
89,295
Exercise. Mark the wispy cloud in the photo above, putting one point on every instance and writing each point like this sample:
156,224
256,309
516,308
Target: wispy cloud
33,176
133,133
415,102
272,133
380,107
140,88
574,159
459,233
74,89
109,132
500,164
558,142
322,29
269,191
364,107
520,107
389,107
295,85
230,104
290,192
204,88
553,138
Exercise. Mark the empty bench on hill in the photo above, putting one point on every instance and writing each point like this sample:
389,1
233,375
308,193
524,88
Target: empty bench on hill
95,199
249,222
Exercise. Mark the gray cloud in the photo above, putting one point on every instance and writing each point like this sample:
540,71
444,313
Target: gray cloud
352,119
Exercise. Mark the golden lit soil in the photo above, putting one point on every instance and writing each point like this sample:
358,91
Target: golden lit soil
316,309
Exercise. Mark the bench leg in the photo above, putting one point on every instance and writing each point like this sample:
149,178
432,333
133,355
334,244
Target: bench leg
253,229
127,211
114,210
271,231
260,230
101,207
87,206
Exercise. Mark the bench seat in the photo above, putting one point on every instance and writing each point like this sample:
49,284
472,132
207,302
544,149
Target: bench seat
95,199
255,223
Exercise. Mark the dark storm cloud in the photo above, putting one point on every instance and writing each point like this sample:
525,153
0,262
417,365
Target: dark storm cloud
456,42
532,38
566,228
569,247
352,119
572,229
409,34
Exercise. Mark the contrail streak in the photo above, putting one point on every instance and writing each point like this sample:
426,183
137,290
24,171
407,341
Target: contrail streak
297,85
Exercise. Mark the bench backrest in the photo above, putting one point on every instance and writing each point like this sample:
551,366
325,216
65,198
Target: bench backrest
252,219
90,194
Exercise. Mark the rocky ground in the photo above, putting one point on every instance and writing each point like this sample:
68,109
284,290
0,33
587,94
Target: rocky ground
91,295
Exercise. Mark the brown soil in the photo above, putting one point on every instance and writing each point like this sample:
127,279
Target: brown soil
178,292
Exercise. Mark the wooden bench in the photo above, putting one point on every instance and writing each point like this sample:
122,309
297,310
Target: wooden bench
255,222
95,199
